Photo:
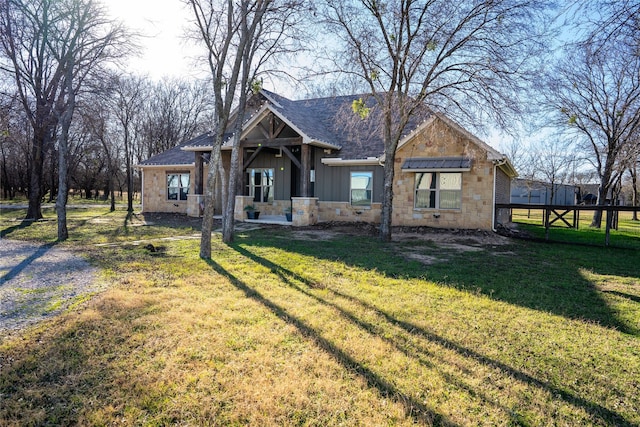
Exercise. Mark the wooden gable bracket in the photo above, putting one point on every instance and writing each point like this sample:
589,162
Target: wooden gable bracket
292,157
274,128
252,158
277,130
264,131
277,142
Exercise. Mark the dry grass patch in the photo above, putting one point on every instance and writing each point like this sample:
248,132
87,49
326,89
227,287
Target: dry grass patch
161,348
279,330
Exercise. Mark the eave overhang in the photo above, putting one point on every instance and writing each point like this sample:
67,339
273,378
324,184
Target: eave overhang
166,166
337,161
437,164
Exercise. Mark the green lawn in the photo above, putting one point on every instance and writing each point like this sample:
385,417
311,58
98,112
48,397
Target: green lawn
626,235
307,327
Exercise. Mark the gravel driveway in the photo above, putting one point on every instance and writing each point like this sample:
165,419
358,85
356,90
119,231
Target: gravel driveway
39,281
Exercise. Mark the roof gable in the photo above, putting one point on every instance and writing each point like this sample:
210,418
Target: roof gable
327,122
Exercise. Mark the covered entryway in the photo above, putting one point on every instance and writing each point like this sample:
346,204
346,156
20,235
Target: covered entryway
272,151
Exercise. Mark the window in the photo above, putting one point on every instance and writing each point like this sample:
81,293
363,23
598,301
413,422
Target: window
177,186
361,185
260,184
437,190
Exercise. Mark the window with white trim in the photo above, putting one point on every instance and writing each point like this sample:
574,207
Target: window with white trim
438,190
361,188
260,185
177,186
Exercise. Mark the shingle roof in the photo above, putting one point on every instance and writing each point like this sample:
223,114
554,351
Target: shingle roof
331,120
204,140
173,156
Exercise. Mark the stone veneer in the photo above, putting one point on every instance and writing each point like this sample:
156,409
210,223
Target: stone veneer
343,211
238,211
305,211
440,140
154,197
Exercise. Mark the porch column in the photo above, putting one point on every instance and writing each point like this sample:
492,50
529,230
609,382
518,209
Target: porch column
241,202
240,184
305,211
198,175
305,170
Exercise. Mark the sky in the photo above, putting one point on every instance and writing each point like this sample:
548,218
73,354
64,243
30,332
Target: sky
165,52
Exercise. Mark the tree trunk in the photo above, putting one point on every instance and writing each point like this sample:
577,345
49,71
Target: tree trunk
63,144
6,182
52,175
61,199
602,201
634,188
129,173
387,197
129,187
228,217
207,218
603,191
34,211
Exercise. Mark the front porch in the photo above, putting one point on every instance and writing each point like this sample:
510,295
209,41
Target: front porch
270,219
304,210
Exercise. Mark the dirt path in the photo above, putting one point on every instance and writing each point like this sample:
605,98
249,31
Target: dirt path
39,281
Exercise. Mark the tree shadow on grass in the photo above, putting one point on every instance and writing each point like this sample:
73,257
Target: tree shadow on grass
17,269
413,408
540,276
23,224
404,344
630,297
65,375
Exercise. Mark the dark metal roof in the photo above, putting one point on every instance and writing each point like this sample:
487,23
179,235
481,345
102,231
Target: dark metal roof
435,164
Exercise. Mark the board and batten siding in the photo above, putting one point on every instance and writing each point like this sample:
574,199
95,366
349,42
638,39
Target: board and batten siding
282,172
333,183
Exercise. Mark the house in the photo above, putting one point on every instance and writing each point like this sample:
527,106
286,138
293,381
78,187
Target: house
325,162
529,191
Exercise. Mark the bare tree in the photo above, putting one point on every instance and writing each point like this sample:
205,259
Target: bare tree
81,43
608,22
127,95
229,31
175,111
98,123
468,59
39,41
552,162
632,159
633,172
595,97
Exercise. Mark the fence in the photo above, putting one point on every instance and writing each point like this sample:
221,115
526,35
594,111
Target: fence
563,222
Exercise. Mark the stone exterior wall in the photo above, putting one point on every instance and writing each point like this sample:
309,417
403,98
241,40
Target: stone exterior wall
305,211
238,210
343,211
154,195
439,140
